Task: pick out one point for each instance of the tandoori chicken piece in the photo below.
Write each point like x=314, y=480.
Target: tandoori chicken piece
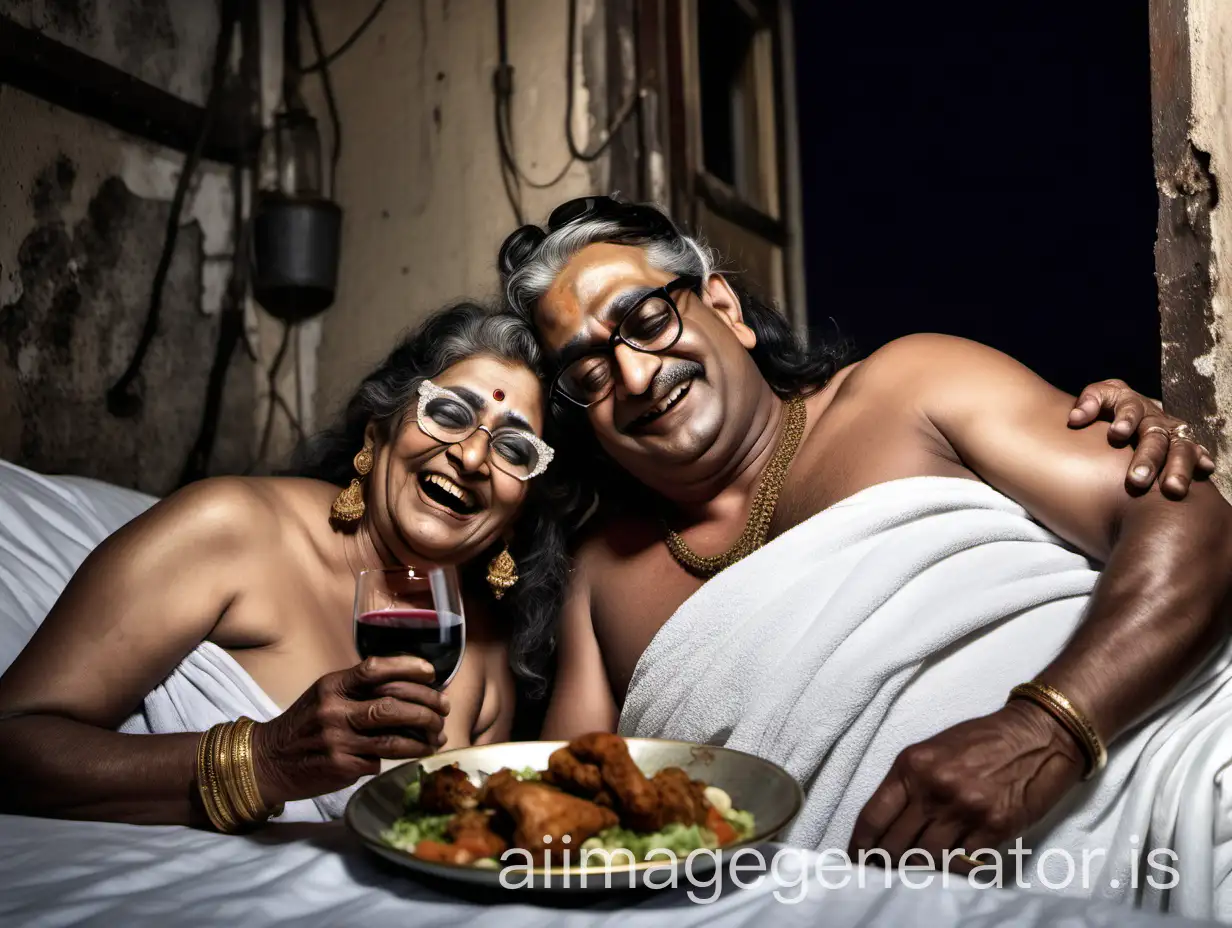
x=681, y=799
x=639, y=800
x=447, y=790
x=573, y=775
x=543, y=815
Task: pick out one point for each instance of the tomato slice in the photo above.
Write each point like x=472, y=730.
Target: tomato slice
x=441, y=852
x=723, y=831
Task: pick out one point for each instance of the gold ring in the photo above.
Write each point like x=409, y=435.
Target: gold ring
x=1167, y=433
x=1181, y=433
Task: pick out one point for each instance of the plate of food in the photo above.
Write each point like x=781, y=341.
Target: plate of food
x=597, y=812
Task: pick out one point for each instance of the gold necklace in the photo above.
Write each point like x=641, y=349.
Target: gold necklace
x=760, y=513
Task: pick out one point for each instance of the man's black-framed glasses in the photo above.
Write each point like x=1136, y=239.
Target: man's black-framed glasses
x=652, y=325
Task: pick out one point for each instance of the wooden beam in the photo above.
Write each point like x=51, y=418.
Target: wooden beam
x=723, y=200
x=622, y=80
x=1183, y=253
x=66, y=77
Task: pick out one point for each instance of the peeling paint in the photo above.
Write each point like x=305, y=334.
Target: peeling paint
x=83, y=212
x=1210, y=24
x=97, y=152
x=73, y=330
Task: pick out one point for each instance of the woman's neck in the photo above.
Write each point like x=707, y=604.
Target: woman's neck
x=363, y=549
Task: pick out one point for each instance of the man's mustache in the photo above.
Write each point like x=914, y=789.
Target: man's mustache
x=664, y=381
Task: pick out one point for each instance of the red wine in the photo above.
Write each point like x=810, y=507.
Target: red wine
x=436, y=637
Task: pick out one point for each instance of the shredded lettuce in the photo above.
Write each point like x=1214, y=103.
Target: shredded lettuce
x=741, y=821
x=679, y=839
x=410, y=798
x=409, y=830
x=414, y=826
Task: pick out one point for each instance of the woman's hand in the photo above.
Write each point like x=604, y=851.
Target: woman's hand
x=1164, y=447
x=345, y=723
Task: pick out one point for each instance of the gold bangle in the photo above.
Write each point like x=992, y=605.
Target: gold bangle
x=229, y=774
x=253, y=806
x=203, y=780
x=222, y=769
x=221, y=774
x=207, y=782
x=1055, y=703
x=241, y=761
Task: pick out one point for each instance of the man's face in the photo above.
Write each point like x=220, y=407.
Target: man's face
x=668, y=413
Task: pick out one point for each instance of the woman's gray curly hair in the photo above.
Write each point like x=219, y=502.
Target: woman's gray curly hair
x=387, y=396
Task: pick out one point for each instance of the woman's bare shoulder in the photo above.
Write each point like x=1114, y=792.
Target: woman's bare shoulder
x=237, y=511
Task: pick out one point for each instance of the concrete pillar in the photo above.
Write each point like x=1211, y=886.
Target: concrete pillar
x=1191, y=91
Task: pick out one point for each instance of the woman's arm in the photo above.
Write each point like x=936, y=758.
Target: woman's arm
x=141, y=601
x=144, y=599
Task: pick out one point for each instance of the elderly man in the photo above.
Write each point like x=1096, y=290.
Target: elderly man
x=905, y=579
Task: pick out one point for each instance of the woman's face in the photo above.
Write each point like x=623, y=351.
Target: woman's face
x=447, y=501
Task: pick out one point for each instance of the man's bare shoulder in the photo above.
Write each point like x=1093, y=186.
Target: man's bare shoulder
x=922, y=360
x=941, y=374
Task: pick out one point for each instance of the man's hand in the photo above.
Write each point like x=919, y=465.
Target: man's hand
x=976, y=785
x=1177, y=460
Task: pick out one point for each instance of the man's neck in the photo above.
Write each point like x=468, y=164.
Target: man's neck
x=726, y=494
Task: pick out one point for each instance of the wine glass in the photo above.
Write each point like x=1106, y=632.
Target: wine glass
x=412, y=610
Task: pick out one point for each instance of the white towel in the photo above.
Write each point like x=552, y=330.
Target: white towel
x=901, y=611
x=209, y=687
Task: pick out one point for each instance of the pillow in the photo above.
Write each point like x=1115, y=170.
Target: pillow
x=47, y=527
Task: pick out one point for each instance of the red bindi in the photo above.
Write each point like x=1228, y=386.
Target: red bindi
x=498, y=395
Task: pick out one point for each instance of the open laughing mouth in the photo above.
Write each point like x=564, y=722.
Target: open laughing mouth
x=447, y=493
x=661, y=408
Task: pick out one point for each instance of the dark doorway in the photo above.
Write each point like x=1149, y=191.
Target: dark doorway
x=985, y=171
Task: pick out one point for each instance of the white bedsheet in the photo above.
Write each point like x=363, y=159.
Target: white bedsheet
x=83, y=873
x=56, y=873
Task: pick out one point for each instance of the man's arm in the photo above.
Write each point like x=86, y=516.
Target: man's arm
x=1157, y=611
x=581, y=697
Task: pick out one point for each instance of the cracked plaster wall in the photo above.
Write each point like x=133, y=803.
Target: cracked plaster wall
x=83, y=210
x=1210, y=36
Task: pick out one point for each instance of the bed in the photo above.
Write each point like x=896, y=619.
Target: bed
x=57, y=873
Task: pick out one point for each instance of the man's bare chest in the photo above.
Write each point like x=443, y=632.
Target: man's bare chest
x=637, y=591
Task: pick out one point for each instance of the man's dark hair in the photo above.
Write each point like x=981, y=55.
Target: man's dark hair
x=532, y=257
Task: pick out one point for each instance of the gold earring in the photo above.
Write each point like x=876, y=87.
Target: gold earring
x=349, y=506
x=502, y=573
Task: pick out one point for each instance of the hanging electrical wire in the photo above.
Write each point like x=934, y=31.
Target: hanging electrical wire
x=327, y=85
x=325, y=61
x=122, y=401
x=622, y=114
x=275, y=399
x=512, y=174
x=267, y=433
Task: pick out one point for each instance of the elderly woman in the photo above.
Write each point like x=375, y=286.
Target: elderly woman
x=250, y=582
